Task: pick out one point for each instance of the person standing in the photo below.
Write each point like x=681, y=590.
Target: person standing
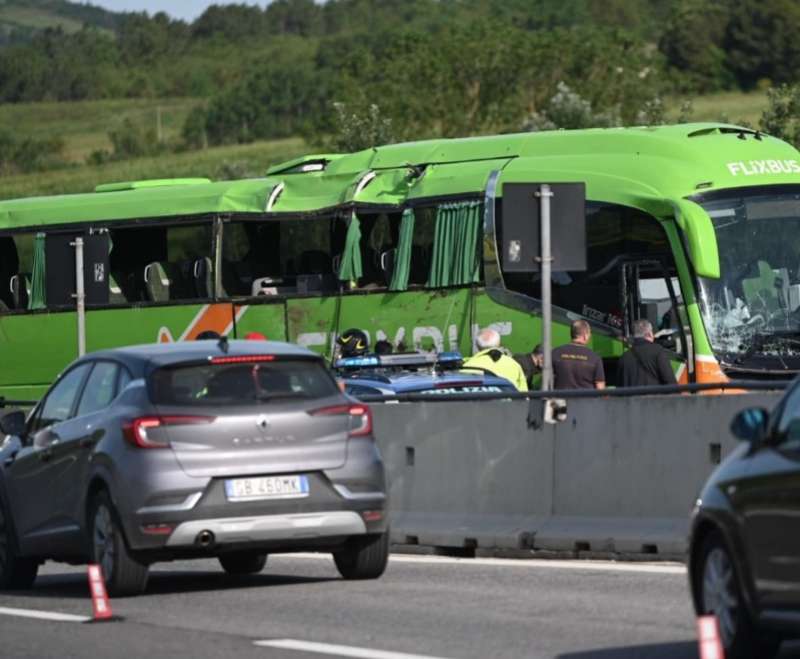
x=646, y=363
x=575, y=366
x=531, y=363
x=493, y=359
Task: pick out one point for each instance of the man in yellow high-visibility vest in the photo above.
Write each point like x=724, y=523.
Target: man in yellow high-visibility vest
x=494, y=359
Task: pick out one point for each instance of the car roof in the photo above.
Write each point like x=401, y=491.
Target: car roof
x=405, y=381
x=156, y=355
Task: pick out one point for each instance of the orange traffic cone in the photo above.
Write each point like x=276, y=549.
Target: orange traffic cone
x=709, y=639
x=100, y=601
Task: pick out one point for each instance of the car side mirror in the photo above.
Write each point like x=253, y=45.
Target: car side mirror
x=750, y=425
x=13, y=423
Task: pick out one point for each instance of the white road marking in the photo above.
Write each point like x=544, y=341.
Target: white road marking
x=530, y=563
x=338, y=650
x=42, y=615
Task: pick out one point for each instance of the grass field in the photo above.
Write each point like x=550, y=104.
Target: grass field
x=36, y=18
x=226, y=162
x=734, y=107
x=84, y=125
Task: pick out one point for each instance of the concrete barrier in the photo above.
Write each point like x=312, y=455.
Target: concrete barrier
x=619, y=475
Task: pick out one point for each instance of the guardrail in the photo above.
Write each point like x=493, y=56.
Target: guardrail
x=619, y=475
x=614, y=392
x=16, y=403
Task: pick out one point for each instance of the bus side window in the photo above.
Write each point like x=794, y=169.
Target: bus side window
x=615, y=235
x=161, y=263
x=16, y=266
x=9, y=267
x=379, y=235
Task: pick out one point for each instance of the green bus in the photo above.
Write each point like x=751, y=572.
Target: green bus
x=692, y=226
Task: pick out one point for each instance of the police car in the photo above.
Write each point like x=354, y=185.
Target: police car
x=418, y=373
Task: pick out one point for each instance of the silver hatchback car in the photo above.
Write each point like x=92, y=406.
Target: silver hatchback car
x=187, y=450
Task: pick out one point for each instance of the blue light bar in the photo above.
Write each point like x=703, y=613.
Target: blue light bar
x=358, y=362
x=400, y=360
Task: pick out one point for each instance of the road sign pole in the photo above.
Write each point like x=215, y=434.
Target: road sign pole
x=80, y=296
x=546, y=260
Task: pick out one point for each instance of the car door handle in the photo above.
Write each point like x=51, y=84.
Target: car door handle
x=45, y=454
x=10, y=460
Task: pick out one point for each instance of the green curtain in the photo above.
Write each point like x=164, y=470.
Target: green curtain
x=455, y=245
x=36, y=300
x=402, y=259
x=350, y=268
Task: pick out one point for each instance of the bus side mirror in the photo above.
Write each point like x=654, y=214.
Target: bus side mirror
x=700, y=235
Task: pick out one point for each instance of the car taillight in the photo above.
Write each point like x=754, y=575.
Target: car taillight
x=243, y=359
x=135, y=430
x=360, y=415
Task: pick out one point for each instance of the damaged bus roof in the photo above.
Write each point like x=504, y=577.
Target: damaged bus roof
x=641, y=167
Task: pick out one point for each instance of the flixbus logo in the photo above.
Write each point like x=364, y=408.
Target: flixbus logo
x=420, y=338
x=758, y=167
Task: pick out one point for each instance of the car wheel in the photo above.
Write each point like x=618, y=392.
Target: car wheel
x=16, y=572
x=721, y=596
x=243, y=562
x=364, y=557
x=123, y=574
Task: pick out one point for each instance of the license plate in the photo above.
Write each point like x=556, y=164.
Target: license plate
x=266, y=487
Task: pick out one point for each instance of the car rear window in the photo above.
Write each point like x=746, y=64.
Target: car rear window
x=240, y=384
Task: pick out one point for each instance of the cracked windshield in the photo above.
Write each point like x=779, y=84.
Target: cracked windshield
x=753, y=309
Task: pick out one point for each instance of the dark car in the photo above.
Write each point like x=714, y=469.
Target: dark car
x=160, y=452
x=744, y=555
x=415, y=373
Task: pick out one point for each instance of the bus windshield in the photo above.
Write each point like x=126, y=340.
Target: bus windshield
x=753, y=309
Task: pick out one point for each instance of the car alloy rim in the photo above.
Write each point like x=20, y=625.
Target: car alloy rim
x=104, y=549
x=719, y=592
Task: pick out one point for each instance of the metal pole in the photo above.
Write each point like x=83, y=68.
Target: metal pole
x=80, y=296
x=546, y=259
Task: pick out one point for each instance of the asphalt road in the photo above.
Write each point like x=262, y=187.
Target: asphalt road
x=423, y=606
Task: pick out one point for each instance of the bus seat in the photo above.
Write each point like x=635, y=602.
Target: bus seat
x=319, y=283
x=387, y=260
x=203, y=277
x=156, y=282
x=20, y=286
x=115, y=294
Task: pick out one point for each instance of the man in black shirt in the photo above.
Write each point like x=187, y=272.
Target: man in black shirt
x=646, y=363
x=574, y=365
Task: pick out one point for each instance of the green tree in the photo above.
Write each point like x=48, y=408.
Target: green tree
x=781, y=118
x=692, y=45
x=568, y=109
x=355, y=130
x=761, y=41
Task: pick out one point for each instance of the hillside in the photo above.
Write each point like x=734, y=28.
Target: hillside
x=84, y=126
x=219, y=163
x=20, y=20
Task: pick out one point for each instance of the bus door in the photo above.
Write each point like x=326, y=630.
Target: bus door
x=650, y=291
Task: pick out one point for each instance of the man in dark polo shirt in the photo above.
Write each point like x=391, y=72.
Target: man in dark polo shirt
x=646, y=363
x=574, y=365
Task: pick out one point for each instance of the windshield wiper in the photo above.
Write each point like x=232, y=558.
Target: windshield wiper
x=760, y=340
